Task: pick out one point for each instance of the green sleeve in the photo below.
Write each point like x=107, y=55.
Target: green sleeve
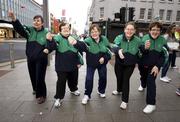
x=117, y=40
x=56, y=38
x=87, y=40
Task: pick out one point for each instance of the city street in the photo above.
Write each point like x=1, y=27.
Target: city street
x=17, y=104
x=120, y=22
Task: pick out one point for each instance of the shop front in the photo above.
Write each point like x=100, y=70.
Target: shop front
x=6, y=31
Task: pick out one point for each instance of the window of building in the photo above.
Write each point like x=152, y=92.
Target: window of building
x=161, y=14
x=178, y=16
x=102, y=12
x=124, y=0
x=142, y=13
x=170, y=1
x=169, y=14
x=149, y=16
x=3, y=13
x=162, y=1
x=101, y=0
x=133, y=0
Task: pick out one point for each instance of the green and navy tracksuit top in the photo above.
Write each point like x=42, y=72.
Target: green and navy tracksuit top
x=36, y=40
x=155, y=55
x=131, y=49
x=94, y=51
x=67, y=56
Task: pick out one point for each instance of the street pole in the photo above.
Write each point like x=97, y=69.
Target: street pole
x=152, y=10
x=126, y=16
x=46, y=20
x=11, y=54
x=46, y=13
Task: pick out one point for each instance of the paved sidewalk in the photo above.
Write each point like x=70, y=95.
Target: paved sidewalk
x=17, y=104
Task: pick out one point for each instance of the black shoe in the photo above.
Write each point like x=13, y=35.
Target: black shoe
x=41, y=100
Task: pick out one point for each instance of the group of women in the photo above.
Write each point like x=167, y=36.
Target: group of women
x=128, y=49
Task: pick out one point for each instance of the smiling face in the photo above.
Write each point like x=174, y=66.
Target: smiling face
x=95, y=33
x=155, y=29
x=129, y=31
x=38, y=23
x=65, y=30
x=155, y=32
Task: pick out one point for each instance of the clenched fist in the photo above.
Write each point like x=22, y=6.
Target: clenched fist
x=101, y=60
x=147, y=44
x=71, y=40
x=11, y=15
x=49, y=36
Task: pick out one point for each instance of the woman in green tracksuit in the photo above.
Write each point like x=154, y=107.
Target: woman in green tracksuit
x=152, y=60
x=36, y=57
x=126, y=51
x=97, y=56
x=66, y=62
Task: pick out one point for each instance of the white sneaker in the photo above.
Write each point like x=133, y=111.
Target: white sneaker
x=140, y=88
x=168, y=78
x=101, y=95
x=149, y=109
x=76, y=93
x=174, y=67
x=115, y=92
x=123, y=105
x=57, y=103
x=85, y=99
x=164, y=79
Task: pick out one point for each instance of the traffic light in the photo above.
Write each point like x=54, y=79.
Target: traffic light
x=117, y=15
x=131, y=13
x=122, y=14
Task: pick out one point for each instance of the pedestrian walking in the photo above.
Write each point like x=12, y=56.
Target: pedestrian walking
x=177, y=36
x=170, y=38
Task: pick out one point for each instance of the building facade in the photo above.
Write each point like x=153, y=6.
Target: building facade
x=167, y=11
x=24, y=10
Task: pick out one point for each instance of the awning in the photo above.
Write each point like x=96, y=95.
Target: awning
x=5, y=25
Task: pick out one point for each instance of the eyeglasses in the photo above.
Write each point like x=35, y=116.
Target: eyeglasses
x=157, y=30
x=65, y=28
x=129, y=29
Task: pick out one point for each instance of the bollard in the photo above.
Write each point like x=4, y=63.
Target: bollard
x=11, y=54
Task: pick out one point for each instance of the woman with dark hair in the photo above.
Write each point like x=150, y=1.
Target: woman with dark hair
x=151, y=61
x=169, y=36
x=66, y=62
x=127, y=47
x=35, y=51
x=97, y=56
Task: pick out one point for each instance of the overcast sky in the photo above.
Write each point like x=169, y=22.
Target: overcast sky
x=76, y=9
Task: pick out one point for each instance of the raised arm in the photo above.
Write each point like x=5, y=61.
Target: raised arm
x=17, y=25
